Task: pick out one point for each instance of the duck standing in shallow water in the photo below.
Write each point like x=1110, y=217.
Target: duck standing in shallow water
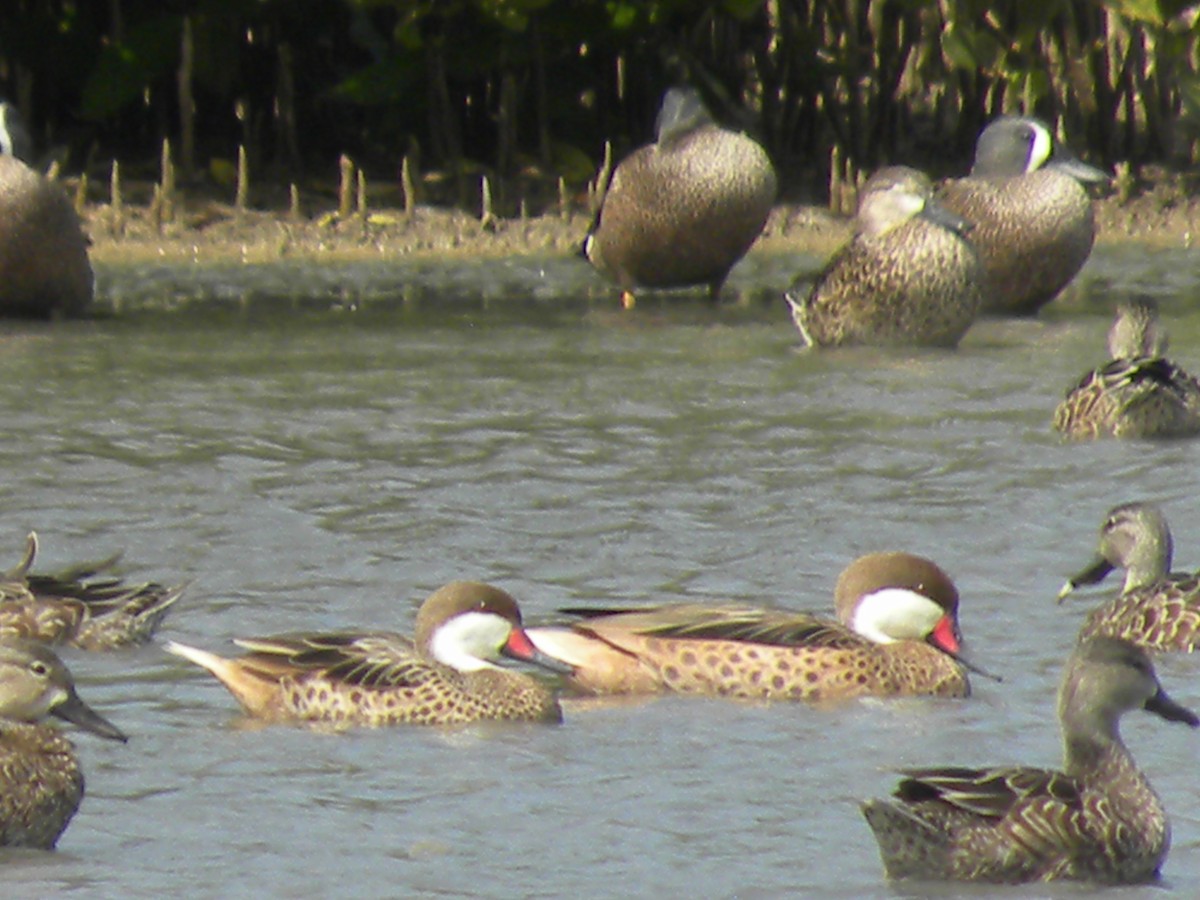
x=908, y=277
x=897, y=634
x=41, y=784
x=1156, y=609
x=1096, y=820
x=446, y=676
x=1032, y=217
x=683, y=210
x=44, y=266
x=1139, y=393
x=83, y=606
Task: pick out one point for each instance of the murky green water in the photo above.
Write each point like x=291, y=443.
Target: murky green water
x=321, y=447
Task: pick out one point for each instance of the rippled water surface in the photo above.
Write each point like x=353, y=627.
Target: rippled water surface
x=315, y=447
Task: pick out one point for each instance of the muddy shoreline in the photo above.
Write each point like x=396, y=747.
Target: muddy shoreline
x=204, y=231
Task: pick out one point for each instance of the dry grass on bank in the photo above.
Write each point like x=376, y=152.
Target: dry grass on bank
x=199, y=227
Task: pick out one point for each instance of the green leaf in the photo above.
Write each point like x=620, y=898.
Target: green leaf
x=381, y=82
x=742, y=9
x=1189, y=93
x=958, y=50
x=969, y=48
x=1147, y=11
x=624, y=15
x=124, y=70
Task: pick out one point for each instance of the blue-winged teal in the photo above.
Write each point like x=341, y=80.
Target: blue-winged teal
x=41, y=784
x=82, y=606
x=1096, y=820
x=1156, y=608
x=445, y=676
x=1139, y=393
x=44, y=267
x=684, y=210
x=1033, y=218
x=897, y=634
x=908, y=276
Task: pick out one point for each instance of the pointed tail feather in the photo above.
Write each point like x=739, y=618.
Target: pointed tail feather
x=21, y=569
x=600, y=668
x=258, y=695
x=133, y=621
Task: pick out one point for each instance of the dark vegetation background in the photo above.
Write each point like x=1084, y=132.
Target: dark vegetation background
x=530, y=90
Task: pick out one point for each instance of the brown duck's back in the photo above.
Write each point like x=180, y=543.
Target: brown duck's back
x=1033, y=234
x=44, y=266
x=777, y=656
x=917, y=284
x=683, y=213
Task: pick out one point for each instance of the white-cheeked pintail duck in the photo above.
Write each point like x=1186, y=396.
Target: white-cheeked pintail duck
x=446, y=675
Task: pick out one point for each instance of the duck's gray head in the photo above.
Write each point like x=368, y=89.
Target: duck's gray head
x=1137, y=331
x=1017, y=145
x=1134, y=537
x=895, y=194
x=1105, y=678
x=912, y=180
x=682, y=111
x=14, y=136
x=34, y=684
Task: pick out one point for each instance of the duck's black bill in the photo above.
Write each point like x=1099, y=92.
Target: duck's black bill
x=79, y=713
x=971, y=667
x=1162, y=705
x=1097, y=570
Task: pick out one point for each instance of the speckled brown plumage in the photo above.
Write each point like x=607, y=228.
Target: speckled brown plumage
x=836, y=665
x=82, y=606
x=906, y=278
x=1138, y=393
x=44, y=267
x=1156, y=609
x=1161, y=616
x=684, y=210
x=41, y=783
x=381, y=678
x=1033, y=235
x=1097, y=820
x=41, y=765
x=766, y=654
x=1034, y=225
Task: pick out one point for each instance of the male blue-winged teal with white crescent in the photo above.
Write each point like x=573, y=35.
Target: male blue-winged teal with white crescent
x=896, y=634
x=908, y=277
x=446, y=675
x=683, y=210
x=1032, y=217
x=1097, y=819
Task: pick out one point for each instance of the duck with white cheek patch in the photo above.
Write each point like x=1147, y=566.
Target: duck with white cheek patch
x=896, y=634
x=446, y=675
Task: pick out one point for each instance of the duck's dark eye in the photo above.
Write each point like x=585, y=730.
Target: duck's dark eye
x=39, y=668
